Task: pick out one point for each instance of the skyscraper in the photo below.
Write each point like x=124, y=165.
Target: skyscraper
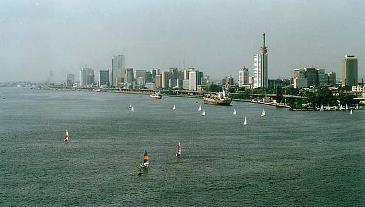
x=118, y=70
x=349, y=71
x=165, y=79
x=70, y=80
x=243, y=77
x=87, y=77
x=260, y=67
x=104, y=77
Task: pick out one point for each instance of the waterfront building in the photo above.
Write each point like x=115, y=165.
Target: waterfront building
x=331, y=78
x=349, y=71
x=140, y=77
x=195, y=78
x=129, y=77
x=87, y=77
x=148, y=76
x=185, y=84
x=312, y=77
x=104, y=78
x=155, y=71
x=186, y=74
x=322, y=77
x=260, y=67
x=158, y=81
x=243, y=77
x=165, y=79
x=70, y=80
x=118, y=70
x=299, y=79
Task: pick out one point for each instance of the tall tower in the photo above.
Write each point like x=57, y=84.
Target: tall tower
x=349, y=71
x=260, y=66
x=118, y=70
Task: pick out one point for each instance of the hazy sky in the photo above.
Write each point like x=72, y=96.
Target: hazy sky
x=216, y=36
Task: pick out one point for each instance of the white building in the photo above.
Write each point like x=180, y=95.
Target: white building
x=260, y=67
x=118, y=70
x=243, y=77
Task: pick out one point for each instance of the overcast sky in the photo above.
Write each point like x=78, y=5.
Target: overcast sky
x=216, y=36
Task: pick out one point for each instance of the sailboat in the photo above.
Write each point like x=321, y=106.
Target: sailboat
x=178, y=150
x=351, y=111
x=347, y=108
x=263, y=113
x=174, y=108
x=245, y=122
x=200, y=108
x=132, y=109
x=322, y=108
x=66, y=136
x=234, y=112
x=130, y=106
x=146, y=160
x=203, y=113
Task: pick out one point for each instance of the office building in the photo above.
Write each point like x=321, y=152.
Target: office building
x=87, y=77
x=299, y=79
x=104, y=77
x=118, y=70
x=331, y=78
x=243, y=77
x=349, y=71
x=158, y=81
x=165, y=79
x=312, y=77
x=70, y=80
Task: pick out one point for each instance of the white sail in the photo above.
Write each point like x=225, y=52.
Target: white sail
x=351, y=111
x=234, y=112
x=200, y=108
x=66, y=136
x=174, y=108
x=322, y=108
x=245, y=121
x=178, y=150
x=347, y=108
x=132, y=109
x=203, y=113
x=263, y=113
x=130, y=105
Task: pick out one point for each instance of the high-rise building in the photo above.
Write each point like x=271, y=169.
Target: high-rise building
x=260, y=67
x=228, y=81
x=322, y=77
x=299, y=79
x=349, y=71
x=158, y=81
x=118, y=70
x=104, y=77
x=196, y=79
x=70, y=80
x=165, y=79
x=155, y=72
x=140, y=76
x=243, y=77
x=149, y=76
x=129, y=76
x=87, y=77
x=312, y=77
x=331, y=78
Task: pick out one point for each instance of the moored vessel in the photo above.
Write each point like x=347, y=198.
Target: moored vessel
x=221, y=98
x=156, y=95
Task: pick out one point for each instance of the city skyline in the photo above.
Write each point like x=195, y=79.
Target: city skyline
x=216, y=37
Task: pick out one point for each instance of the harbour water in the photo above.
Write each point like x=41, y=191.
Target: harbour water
x=284, y=159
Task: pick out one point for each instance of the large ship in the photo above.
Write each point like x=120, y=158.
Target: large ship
x=221, y=98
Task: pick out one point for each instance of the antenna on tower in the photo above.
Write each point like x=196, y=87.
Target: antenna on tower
x=263, y=37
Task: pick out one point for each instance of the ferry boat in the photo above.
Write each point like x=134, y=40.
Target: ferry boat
x=156, y=95
x=146, y=161
x=221, y=98
x=65, y=138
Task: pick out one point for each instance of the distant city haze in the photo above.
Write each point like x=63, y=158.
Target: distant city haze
x=42, y=40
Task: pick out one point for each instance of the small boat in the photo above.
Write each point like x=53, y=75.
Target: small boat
x=347, y=108
x=322, y=108
x=146, y=161
x=351, y=111
x=156, y=95
x=178, y=150
x=357, y=106
x=200, y=108
x=263, y=113
x=174, y=108
x=66, y=136
x=132, y=109
x=245, y=122
x=234, y=112
x=203, y=113
x=130, y=106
